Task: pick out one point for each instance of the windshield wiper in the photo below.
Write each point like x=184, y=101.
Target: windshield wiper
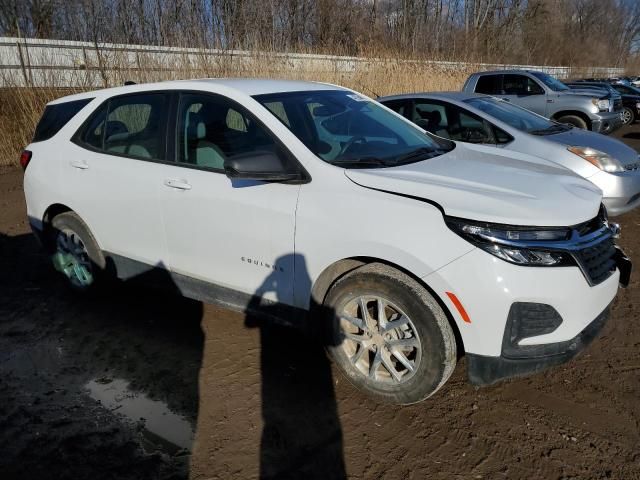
x=421, y=153
x=550, y=130
x=361, y=162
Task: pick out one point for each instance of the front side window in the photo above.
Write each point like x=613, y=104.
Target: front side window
x=450, y=121
x=551, y=82
x=516, y=117
x=520, y=85
x=212, y=129
x=346, y=129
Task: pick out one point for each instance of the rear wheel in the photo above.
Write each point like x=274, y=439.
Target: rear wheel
x=389, y=336
x=628, y=116
x=574, y=120
x=75, y=253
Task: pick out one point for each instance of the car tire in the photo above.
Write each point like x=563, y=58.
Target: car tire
x=75, y=253
x=628, y=116
x=574, y=120
x=402, y=356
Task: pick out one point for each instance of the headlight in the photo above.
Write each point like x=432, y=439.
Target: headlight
x=602, y=160
x=503, y=242
x=601, y=103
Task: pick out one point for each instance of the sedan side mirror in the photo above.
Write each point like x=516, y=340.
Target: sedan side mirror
x=261, y=165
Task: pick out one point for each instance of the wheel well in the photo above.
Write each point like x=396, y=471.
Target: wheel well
x=340, y=268
x=575, y=113
x=52, y=212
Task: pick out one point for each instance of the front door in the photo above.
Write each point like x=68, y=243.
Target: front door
x=525, y=92
x=237, y=235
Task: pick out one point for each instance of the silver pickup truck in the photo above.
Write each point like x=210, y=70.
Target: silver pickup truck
x=548, y=96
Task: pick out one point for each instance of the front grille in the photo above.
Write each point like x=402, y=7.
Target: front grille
x=597, y=261
x=617, y=104
x=632, y=167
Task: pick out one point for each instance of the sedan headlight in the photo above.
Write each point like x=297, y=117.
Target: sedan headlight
x=519, y=245
x=603, y=104
x=602, y=160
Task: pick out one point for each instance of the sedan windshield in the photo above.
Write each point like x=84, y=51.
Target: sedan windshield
x=517, y=117
x=551, y=82
x=351, y=131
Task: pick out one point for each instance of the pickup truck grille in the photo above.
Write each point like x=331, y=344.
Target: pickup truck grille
x=617, y=104
x=597, y=261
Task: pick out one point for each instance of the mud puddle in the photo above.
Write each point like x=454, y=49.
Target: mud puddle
x=161, y=428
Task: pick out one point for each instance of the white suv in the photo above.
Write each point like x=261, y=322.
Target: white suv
x=295, y=197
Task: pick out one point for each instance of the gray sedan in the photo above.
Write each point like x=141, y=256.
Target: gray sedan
x=474, y=118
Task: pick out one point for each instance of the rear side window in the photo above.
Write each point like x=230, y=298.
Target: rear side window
x=132, y=126
x=57, y=116
x=398, y=106
x=489, y=85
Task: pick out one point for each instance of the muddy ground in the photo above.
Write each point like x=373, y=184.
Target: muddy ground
x=138, y=384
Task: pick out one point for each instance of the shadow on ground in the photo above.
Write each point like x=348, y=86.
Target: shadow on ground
x=108, y=386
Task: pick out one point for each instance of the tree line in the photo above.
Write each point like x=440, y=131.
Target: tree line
x=550, y=32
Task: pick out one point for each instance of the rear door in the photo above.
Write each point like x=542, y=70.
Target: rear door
x=113, y=172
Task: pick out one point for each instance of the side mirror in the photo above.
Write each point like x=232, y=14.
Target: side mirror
x=265, y=166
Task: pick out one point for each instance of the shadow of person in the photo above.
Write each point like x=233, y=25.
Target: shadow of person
x=301, y=436
x=123, y=349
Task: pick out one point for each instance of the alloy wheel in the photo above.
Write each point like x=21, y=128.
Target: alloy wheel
x=380, y=340
x=71, y=258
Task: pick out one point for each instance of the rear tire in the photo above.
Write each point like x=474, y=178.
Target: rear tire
x=628, y=116
x=388, y=335
x=574, y=120
x=75, y=253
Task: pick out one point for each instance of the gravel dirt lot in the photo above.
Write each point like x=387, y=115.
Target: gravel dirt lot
x=138, y=384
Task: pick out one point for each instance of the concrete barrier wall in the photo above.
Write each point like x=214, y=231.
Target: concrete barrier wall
x=58, y=63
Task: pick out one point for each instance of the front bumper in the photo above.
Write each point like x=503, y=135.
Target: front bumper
x=521, y=320
x=483, y=370
x=620, y=191
x=606, y=122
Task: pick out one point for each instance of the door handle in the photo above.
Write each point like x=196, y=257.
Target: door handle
x=549, y=100
x=178, y=184
x=80, y=164
x=506, y=99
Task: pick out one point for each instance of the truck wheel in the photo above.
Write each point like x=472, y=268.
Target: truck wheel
x=75, y=253
x=628, y=116
x=388, y=335
x=573, y=120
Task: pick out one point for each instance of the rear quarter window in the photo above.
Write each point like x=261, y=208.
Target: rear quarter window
x=57, y=116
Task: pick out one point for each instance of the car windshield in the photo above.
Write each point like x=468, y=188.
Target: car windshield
x=349, y=130
x=551, y=82
x=516, y=117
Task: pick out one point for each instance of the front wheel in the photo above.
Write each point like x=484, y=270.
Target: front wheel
x=573, y=120
x=389, y=336
x=628, y=116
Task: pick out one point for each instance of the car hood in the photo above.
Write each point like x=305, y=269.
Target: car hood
x=486, y=184
x=583, y=138
x=585, y=92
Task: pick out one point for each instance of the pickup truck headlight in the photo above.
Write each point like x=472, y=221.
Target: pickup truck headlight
x=602, y=160
x=603, y=104
x=522, y=246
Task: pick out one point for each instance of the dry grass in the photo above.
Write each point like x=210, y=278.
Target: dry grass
x=21, y=108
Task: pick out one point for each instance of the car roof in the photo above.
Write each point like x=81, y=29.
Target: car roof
x=494, y=72
x=456, y=96
x=239, y=86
